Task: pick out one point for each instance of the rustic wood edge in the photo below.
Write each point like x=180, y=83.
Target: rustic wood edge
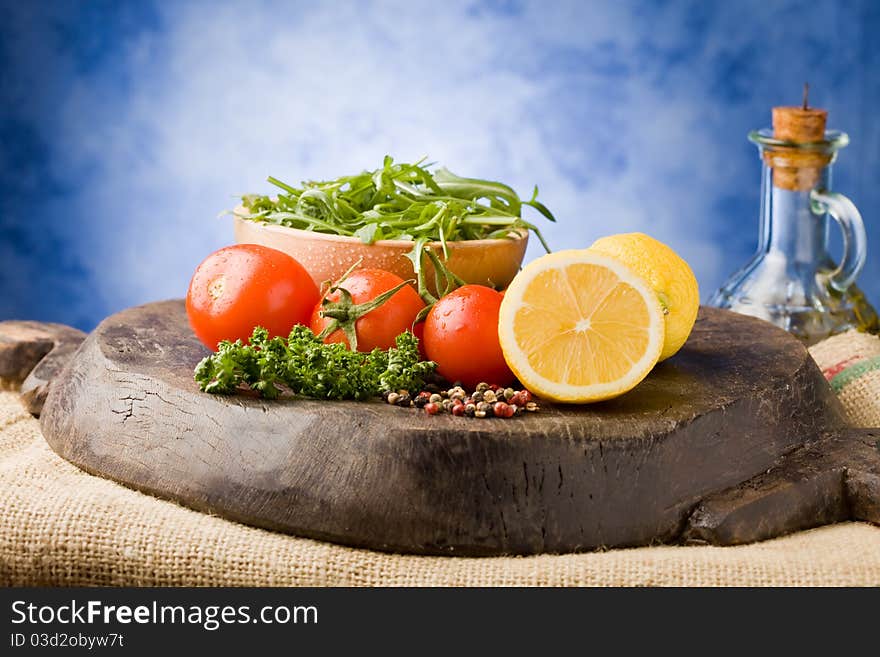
x=832, y=479
x=32, y=354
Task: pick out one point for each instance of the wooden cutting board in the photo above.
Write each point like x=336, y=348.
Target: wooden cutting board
x=736, y=438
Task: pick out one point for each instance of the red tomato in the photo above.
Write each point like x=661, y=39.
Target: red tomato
x=461, y=336
x=245, y=285
x=379, y=327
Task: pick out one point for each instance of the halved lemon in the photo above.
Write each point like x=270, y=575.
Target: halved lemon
x=577, y=326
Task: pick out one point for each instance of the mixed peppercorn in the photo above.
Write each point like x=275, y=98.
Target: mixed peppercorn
x=486, y=401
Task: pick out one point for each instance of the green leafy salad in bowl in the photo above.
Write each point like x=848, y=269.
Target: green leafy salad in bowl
x=433, y=226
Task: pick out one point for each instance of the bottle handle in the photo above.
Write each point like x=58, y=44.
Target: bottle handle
x=855, y=242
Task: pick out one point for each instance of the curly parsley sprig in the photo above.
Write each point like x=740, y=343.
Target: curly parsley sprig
x=306, y=366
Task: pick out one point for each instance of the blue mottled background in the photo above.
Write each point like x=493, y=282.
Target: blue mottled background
x=126, y=127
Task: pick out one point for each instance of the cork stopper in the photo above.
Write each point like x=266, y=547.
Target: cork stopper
x=802, y=124
x=793, y=169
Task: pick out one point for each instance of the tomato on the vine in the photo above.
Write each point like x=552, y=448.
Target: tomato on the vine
x=376, y=327
x=245, y=285
x=419, y=331
x=461, y=336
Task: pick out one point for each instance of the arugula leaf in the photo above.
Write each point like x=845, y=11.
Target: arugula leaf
x=369, y=233
x=399, y=201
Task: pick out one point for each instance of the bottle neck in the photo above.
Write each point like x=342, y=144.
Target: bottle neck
x=788, y=226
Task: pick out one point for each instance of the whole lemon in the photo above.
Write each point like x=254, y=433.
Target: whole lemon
x=667, y=273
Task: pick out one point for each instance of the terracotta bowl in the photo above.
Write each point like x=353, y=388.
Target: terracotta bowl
x=328, y=257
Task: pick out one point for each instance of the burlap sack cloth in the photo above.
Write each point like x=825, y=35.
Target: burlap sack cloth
x=60, y=526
